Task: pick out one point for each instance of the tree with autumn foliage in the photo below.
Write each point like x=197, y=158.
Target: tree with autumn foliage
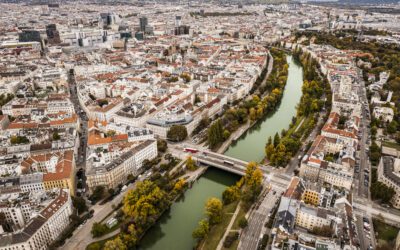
x=214, y=210
x=252, y=183
x=115, y=244
x=144, y=204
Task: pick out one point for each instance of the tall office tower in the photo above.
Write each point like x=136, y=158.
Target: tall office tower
x=143, y=23
x=178, y=21
x=29, y=36
x=53, y=36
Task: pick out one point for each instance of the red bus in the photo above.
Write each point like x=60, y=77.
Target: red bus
x=190, y=150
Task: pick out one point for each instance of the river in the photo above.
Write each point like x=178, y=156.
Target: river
x=174, y=229
x=250, y=146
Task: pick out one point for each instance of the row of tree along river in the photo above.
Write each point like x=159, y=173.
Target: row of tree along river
x=175, y=227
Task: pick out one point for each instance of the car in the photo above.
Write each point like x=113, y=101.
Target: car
x=274, y=192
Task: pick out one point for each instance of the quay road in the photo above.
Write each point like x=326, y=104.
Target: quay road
x=252, y=234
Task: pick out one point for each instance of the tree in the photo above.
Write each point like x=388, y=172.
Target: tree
x=111, y=191
x=162, y=145
x=144, y=204
x=202, y=229
x=230, y=194
x=190, y=164
x=19, y=139
x=230, y=238
x=94, y=246
x=375, y=153
x=214, y=210
x=392, y=127
x=379, y=191
x=252, y=183
x=269, y=150
x=215, y=134
x=98, y=229
x=226, y=134
x=243, y=222
x=130, y=238
x=177, y=133
x=115, y=244
x=179, y=185
x=277, y=139
x=79, y=204
x=325, y=231
x=56, y=136
x=98, y=193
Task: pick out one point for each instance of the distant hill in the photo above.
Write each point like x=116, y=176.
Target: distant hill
x=368, y=1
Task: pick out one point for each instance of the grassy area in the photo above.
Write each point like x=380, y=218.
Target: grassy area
x=294, y=127
x=99, y=244
x=385, y=234
x=218, y=231
x=391, y=145
x=240, y=215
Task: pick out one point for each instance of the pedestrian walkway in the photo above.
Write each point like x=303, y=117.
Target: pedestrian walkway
x=228, y=229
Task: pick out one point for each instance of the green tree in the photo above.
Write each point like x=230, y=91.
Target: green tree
x=277, y=139
x=379, y=191
x=202, y=230
x=79, y=204
x=98, y=193
x=230, y=194
x=19, y=139
x=392, y=127
x=226, y=134
x=243, y=222
x=162, y=145
x=98, y=229
x=56, y=136
x=94, y=246
x=177, y=133
x=215, y=134
x=214, y=210
x=375, y=153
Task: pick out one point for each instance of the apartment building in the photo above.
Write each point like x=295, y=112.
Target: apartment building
x=310, y=217
x=44, y=228
x=389, y=174
x=114, y=171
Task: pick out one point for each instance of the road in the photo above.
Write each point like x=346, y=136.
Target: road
x=390, y=215
x=365, y=235
x=362, y=179
x=82, y=236
x=252, y=234
x=81, y=159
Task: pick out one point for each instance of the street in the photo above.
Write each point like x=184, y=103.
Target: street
x=252, y=234
x=82, y=236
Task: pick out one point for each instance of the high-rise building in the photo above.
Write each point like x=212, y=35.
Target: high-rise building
x=181, y=30
x=178, y=21
x=30, y=36
x=143, y=22
x=53, y=36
